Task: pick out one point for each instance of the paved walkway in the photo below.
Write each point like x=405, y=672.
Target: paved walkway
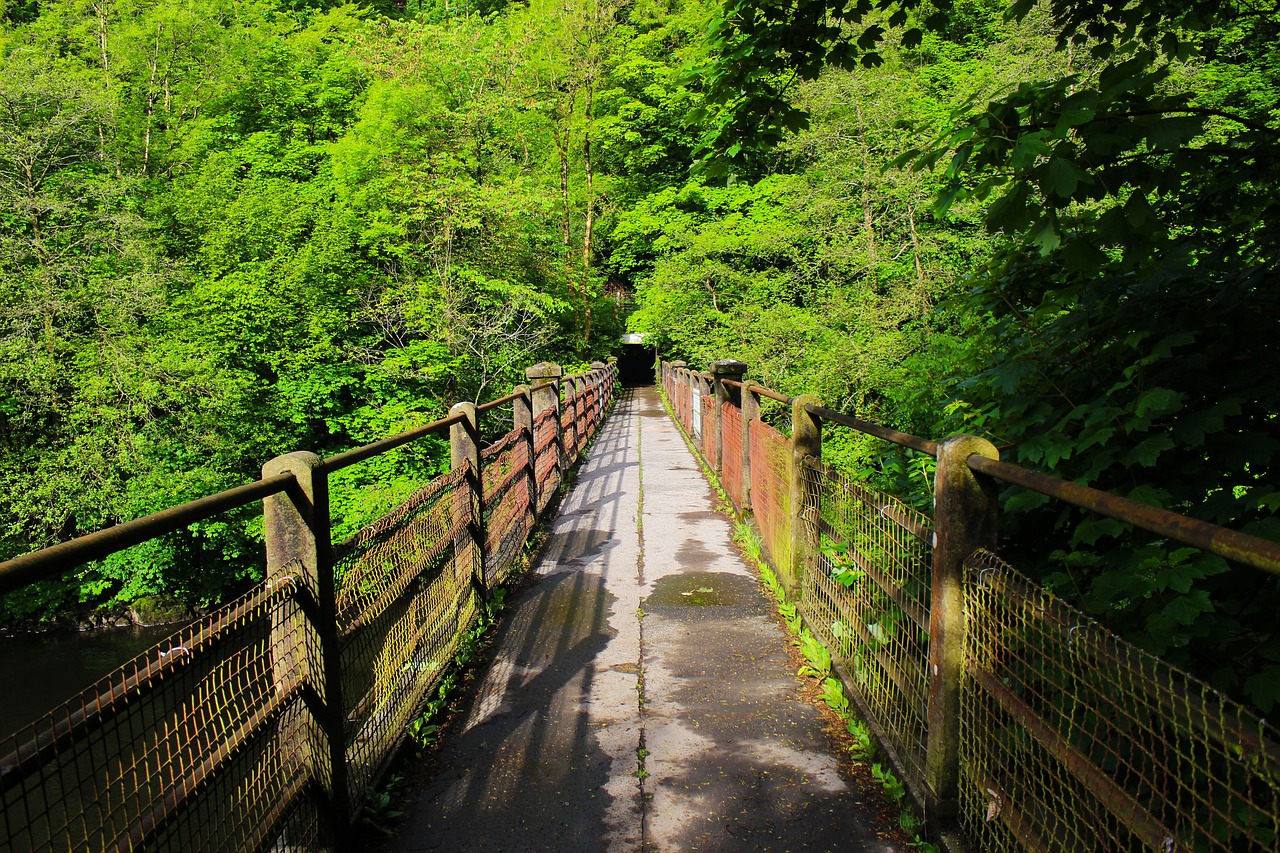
x=641, y=696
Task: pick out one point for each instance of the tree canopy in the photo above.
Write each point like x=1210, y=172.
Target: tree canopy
x=232, y=230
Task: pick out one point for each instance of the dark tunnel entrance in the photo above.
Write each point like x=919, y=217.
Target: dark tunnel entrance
x=636, y=363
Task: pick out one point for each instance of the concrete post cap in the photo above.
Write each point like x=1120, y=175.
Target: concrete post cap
x=728, y=367
x=544, y=370
x=679, y=364
x=598, y=365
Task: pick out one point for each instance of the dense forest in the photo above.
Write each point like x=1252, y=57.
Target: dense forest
x=241, y=227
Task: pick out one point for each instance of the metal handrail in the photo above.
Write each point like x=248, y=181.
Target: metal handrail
x=501, y=401
x=772, y=395
x=1239, y=547
x=53, y=561
x=359, y=454
x=903, y=439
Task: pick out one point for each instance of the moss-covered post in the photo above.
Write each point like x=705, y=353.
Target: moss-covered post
x=806, y=442
x=722, y=370
x=299, y=551
x=965, y=519
x=544, y=378
x=464, y=453
x=750, y=412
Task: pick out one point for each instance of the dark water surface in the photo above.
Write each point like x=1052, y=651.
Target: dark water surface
x=38, y=672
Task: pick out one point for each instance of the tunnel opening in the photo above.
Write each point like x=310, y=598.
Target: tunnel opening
x=636, y=362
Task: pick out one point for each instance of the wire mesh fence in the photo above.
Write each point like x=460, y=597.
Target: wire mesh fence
x=771, y=493
x=708, y=419
x=866, y=596
x=569, y=427
x=546, y=454
x=196, y=744
x=408, y=591
x=585, y=419
x=218, y=738
x=731, y=452
x=508, y=510
x=1073, y=739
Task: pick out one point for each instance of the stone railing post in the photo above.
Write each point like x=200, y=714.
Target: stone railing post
x=806, y=441
x=965, y=519
x=464, y=451
x=544, y=378
x=750, y=412
x=296, y=528
x=522, y=416
x=681, y=384
x=722, y=370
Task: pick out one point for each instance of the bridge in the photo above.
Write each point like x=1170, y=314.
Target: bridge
x=640, y=695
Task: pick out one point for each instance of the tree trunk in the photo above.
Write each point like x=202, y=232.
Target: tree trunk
x=151, y=104
x=868, y=221
x=589, y=225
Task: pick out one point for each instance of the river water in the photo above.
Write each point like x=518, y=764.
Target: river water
x=41, y=671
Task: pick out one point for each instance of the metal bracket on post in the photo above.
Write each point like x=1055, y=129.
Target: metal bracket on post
x=750, y=412
x=965, y=519
x=296, y=528
x=464, y=450
x=806, y=441
x=721, y=370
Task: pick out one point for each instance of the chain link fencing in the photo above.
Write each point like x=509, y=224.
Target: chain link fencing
x=708, y=429
x=546, y=454
x=408, y=591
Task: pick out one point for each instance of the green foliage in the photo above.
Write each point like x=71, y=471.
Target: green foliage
x=379, y=811
x=817, y=656
x=235, y=231
x=1089, y=194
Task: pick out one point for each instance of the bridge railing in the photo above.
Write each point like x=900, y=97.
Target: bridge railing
x=1017, y=722
x=261, y=726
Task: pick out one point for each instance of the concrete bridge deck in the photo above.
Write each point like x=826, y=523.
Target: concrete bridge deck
x=641, y=696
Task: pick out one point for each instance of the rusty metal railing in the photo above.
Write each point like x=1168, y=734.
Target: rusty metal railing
x=1009, y=715
x=261, y=725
